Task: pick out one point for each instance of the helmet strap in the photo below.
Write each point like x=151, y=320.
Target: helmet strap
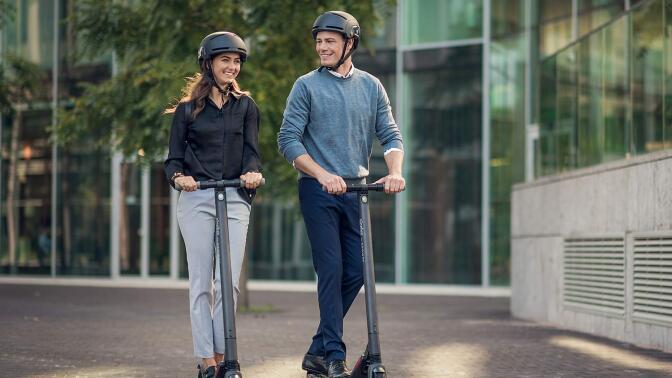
x=210, y=77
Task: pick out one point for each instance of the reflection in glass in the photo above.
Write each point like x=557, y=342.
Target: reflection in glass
x=555, y=25
x=278, y=246
x=667, y=122
x=441, y=20
x=84, y=192
x=595, y=13
x=602, y=105
x=159, y=233
x=83, y=212
x=444, y=144
x=26, y=201
x=547, y=156
x=129, y=218
x=382, y=65
x=507, y=127
x=607, y=97
x=508, y=18
x=648, y=77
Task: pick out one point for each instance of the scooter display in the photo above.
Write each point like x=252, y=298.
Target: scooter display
x=229, y=367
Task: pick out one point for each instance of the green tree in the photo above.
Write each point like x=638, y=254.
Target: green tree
x=155, y=44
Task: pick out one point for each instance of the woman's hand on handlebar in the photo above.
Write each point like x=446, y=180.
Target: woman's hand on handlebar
x=187, y=183
x=252, y=180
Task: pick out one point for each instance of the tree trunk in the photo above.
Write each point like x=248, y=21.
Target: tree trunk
x=12, y=226
x=124, y=251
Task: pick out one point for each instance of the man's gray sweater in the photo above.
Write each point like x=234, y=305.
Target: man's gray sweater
x=334, y=120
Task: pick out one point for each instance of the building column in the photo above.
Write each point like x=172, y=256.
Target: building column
x=145, y=208
x=54, y=147
x=485, y=174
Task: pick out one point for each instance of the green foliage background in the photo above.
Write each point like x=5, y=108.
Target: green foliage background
x=156, y=41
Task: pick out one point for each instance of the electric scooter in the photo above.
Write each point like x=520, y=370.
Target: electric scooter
x=370, y=364
x=229, y=366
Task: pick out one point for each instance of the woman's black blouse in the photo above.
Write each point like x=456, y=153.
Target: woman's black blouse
x=219, y=144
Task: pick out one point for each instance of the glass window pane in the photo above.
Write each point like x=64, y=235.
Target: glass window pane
x=83, y=212
x=443, y=102
x=547, y=161
x=667, y=123
x=508, y=17
x=648, y=77
x=507, y=126
x=507, y=147
x=555, y=25
x=32, y=36
x=84, y=176
x=441, y=20
x=160, y=215
x=383, y=66
x=595, y=13
x=565, y=122
x=129, y=218
x=26, y=201
x=602, y=101
x=558, y=112
x=385, y=35
x=277, y=243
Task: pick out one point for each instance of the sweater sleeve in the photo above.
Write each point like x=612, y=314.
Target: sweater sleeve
x=177, y=144
x=294, y=121
x=387, y=130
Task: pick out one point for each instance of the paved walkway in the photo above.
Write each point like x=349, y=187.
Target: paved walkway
x=57, y=331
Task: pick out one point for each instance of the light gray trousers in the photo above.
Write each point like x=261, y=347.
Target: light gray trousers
x=196, y=218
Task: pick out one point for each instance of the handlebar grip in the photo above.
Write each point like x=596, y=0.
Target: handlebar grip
x=365, y=187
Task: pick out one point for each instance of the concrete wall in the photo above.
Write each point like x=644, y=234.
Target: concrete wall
x=618, y=198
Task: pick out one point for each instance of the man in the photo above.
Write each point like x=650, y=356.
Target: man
x=330, y=119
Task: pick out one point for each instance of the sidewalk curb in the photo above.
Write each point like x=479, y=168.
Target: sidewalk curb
x=257, y=285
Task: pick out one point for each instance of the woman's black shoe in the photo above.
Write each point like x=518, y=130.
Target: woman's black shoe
x=337, y=369
x=206, y=373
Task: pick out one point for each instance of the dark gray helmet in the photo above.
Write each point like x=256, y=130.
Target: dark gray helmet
x=340, y=22
x=221, y=42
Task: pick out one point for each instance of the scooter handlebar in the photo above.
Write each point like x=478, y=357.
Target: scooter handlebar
x=235, y=183
x=365, y=188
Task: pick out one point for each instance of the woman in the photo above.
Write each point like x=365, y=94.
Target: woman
x=214, y=136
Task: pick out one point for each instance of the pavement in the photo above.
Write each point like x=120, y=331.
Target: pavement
x=78, y=331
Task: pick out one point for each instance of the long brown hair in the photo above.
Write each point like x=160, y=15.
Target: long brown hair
x=197, y=89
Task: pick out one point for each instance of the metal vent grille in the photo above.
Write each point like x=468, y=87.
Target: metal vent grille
x=594, y=274
x=652, y=277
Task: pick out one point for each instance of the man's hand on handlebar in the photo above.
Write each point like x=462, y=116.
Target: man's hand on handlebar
x=332, y=184
x=394, y=183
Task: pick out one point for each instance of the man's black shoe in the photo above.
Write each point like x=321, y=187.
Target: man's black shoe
x=314, y=364
x=337, y=369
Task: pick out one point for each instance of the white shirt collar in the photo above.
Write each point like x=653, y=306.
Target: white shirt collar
x=352, y=70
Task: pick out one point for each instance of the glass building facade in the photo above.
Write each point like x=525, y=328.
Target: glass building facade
x=487, y=93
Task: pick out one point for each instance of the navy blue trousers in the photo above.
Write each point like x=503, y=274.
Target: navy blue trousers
x=332, y=223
